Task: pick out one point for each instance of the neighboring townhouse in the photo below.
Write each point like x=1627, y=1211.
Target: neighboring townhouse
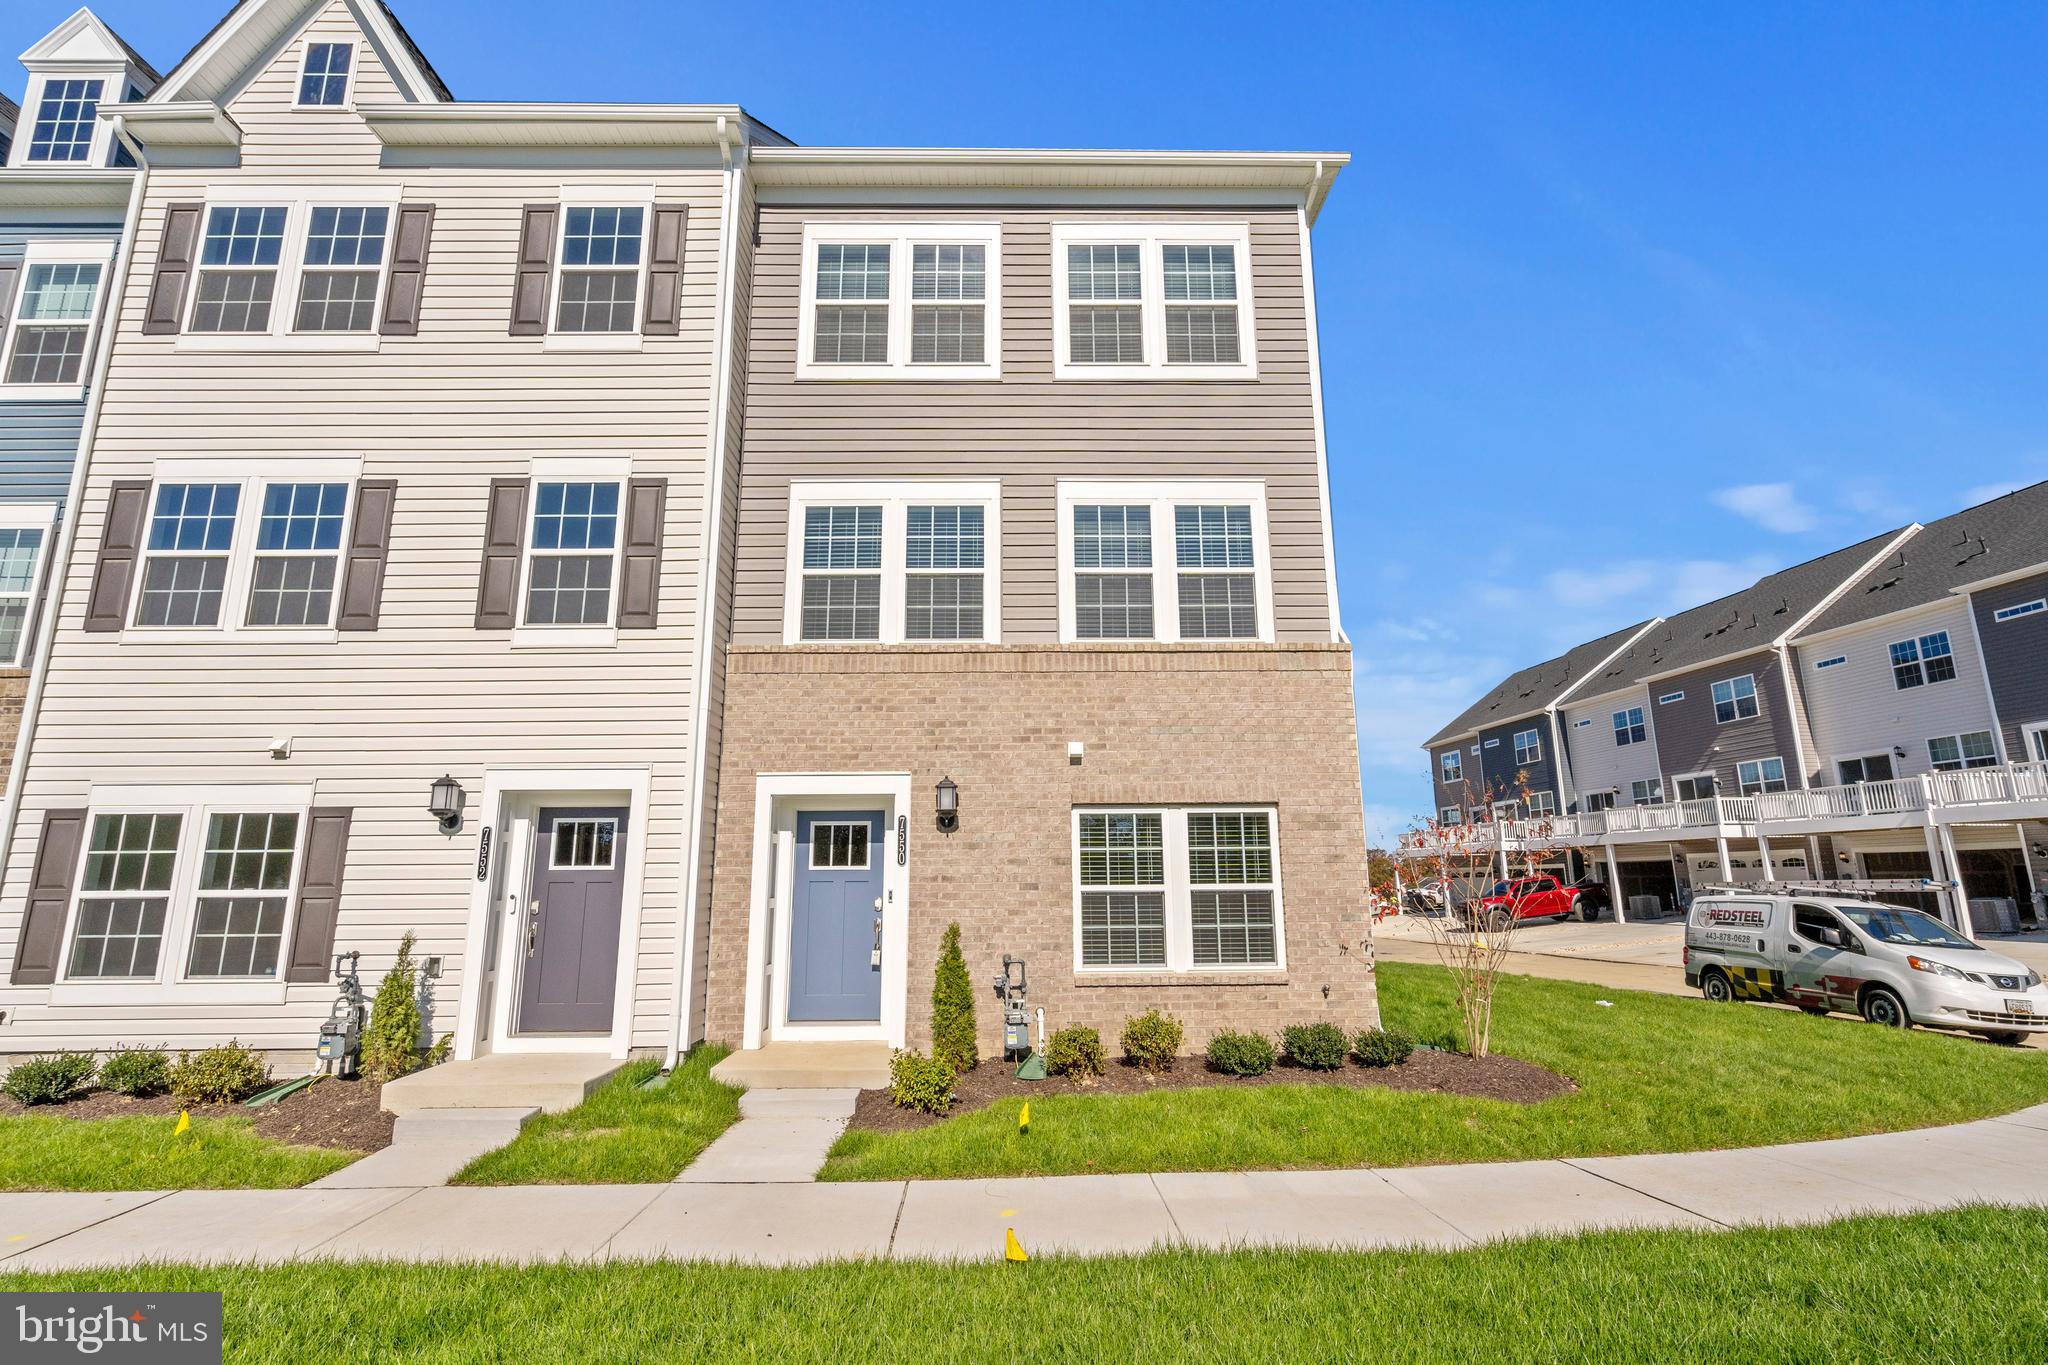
x=65, y=192
x=676, y=574
x=1876, y=713
x=1034, y=622
x=386, y=612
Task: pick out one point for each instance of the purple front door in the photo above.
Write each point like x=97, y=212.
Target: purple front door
x=570, y=977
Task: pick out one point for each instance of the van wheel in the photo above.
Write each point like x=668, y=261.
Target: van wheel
x=1714, y=985
x=1881, y=1005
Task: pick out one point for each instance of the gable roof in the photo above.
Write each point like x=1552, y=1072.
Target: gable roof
x=76, y=22
x=249, y=28
x=1992, y=539
x=1528, y=692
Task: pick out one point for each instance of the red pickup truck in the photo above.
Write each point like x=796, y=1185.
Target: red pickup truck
x=1542, y=897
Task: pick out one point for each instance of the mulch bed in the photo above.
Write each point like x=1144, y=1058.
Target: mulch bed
x=328, y=1113
x=1427, y=1070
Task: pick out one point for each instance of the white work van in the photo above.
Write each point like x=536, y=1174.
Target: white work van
x=1828, y=951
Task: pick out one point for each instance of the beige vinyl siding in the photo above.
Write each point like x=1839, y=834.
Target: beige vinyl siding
x=1598, y=763
x=1857, y=709
x=278, y=136
x=1028, y=429
x=376, y=717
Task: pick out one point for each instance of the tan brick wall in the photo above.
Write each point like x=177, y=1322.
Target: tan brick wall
x=13, y=693
x=1164, y=726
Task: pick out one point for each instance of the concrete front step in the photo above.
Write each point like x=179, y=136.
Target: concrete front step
x=807, y=1066
x=548, y=1081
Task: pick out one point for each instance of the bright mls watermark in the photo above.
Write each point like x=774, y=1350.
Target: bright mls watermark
x=172, y=1329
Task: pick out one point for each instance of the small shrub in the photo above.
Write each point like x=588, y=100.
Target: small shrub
x=1383, y=1047
x=953, y=1008
x=1319, y=1047
x=136, y=1071
x=391, y=1044
x=1074, y=1052
x=49, y=1080
x=1152, y=1040
x=219, y=1075
x=1241, y=1054
x=918, y=1082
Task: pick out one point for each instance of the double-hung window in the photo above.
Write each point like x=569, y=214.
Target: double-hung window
x=572, y=553
x=1922, y=660
x=24, y=542
x=890, y=563
x=48, y=339
x=1450, y=767
x=1647, y=791
x=298, y=554
x=1542, y=805
x=1528, y=747
x=282, y=266
x=62, y=129
x=1972, y=750
x=1735, y=698
x=1451, y=817
x=1629, y=727
x=186, y=556
x=603, y=255
x=901, y=301
x=186, y=887
x=324, y=75
x=1120, y=582
x=1177, y=889
x=1760, y=775
x=1153, y=301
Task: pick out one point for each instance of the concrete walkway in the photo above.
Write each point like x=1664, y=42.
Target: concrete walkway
x=781, y=1138
x=2002, y=1160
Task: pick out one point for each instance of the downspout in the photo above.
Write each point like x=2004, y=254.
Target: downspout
x=60, y=557
x=731, y=135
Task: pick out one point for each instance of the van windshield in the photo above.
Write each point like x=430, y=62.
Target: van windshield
x=1912, y=928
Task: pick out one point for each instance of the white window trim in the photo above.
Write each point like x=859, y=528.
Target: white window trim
x=1180, y=927
x=1707, y=773
x=348, y=93
x=253, y=475
x=2029, y=740
x=1546, y=808
x=1450, y=816
x=642, y=197
x=868, y=862
x=1506, y=810
x=1963, y=762
x=1163, y=497
x=55, y=253
x=298, y=203
x=1670, y=697
x=900, y=238
x=1920, y=660
x=1533, y=752
x=1450, y=767
x=1864, y=758
x=1656, y=791
x=1150, y=239
x=115, y=90
x=1741, y=782
x=555, y=865
x=570, y=469
x=896, y=498
x=37, y=516
x=172, y=984
x=1623, y=726
x=2019, y=611
x=1756, y=698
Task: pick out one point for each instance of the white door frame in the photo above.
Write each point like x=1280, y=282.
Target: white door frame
x=777, y=798
x=491, y=961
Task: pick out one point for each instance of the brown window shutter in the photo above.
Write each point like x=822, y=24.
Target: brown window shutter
x=408, y=282
x=536, y=264
x=8, y=275
x=369, y=545
x=49, y=898
x=174, y=260
x=497, y=593
x=319, y=893
x=113, y=578
x=640, y=563
x=664, y=317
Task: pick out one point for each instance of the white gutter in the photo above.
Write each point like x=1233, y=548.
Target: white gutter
x=60, y=556
x=731, y=134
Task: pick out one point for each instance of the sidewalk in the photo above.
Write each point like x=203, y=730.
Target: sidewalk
x=2002, y=1160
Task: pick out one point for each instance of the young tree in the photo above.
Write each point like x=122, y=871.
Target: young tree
x=953, y=1008
x=391, y=1043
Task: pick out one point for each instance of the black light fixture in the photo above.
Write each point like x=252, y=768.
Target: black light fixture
x=445, y=804
x=949, y=806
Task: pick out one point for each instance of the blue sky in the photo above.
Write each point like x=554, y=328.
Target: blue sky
x=1621, y=305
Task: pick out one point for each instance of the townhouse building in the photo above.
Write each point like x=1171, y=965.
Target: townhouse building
x=1875, y=713
x=675, y=574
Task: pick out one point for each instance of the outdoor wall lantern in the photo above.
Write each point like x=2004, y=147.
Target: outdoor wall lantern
x=949, y=806
x=445, y=804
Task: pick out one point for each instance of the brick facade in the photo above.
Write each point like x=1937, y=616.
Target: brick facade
x=13, y=693
x=1161, y=726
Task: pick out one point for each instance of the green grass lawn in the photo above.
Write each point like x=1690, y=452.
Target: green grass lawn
x=621, y=1134
x=40, y=1152
x=1937, y=1287
x=1655, y=1073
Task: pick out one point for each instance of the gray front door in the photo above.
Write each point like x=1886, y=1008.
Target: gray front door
x=835, y=971
x=570, y=975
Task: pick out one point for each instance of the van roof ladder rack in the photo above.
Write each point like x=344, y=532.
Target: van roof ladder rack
x=1861, y=889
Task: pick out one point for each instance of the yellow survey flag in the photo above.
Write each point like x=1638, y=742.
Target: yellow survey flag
x=184, y=1122
x=1024, y=1118
x=1013, y=1250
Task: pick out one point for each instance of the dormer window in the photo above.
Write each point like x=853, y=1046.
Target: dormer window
x=324, y=79
x=62, y=130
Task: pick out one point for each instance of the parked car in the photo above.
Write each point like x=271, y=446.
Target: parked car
x=1542, y=897
x=1892, y=965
